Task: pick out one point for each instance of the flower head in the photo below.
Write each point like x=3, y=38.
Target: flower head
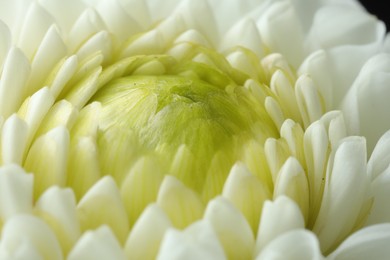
x=192, y=129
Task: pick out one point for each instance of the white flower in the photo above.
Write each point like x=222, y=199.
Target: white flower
x=193, y=130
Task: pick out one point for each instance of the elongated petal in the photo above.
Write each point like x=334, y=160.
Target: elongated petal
x=371, y=242
x=198, y=241
x=99, y=244
x=345, y=192
x=36, y=236
x=104, y=194
x=293, y=245
x=231, y=227
x=16, y=190
x=278, y=217
x=147, y=233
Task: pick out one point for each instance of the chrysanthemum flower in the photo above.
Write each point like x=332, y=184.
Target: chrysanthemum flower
x=193, y=130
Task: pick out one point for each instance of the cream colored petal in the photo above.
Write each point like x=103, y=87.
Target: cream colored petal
x=138, y=10
x=58, y=208
x=50, y=51
x=140, y=187
x=33, y=232
x=246, y=193
x=380, y=157
x=367, y=100
x=278, y=217
x=99, y=244
x=368, y=243
x=116, y=18
x=292, y=182
x=65, y=12
x=63, y=75
x=198, y=15
x=293, y=245
x=13, y=140
x=36, y=23
x=345, y=194
x=86, y=25
x=287, y=40
x=231, y=227
x=34, y=110
x=102, y=205
x=309, y=100
x=5, y=42
x=61, y=113
x=47, y=159
x=12, y=87
x=16, y=191
x=317, y=66
x=100, y=42
x=245, y=34
x=316, y=154
x=182, y=205
x=380, y=211
x=198, y=241
x=348, y=26
x=83, y=165
x=145, y=237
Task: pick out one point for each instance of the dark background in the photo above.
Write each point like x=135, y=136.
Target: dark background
x=378, y=8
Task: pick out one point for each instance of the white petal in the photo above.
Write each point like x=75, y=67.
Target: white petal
x=367, y=100
x=58, y=206
x=65, y=12
x=308, y=99
x=292, y=182
x=345, y=193
x=35, y=110
x=245, y=34
x=117, y=20
x=316, y=155
x=87, y=24
x=368, y=243
x=100, y=42
x=16, y=190
x=246, y=193
x=63, y=75
x=146, y=235
x=33, y=231
x=231, y=227
x=287, y=40
x=293, y=245
x=317, y=66
x=380, y=157
x=36, y=23
x=5, y=42
x=104, y=195
x=198, y=241
x=348, y=26
x=99, y=244
x=278, y=217
x=50, y=51
x=47, y=159
x=12, y=84
x=197, y=15
x=13, y=140
x=138, y=10
x=380, y=211
x=182, y=205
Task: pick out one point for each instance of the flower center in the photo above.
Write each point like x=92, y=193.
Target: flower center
x=185, y=118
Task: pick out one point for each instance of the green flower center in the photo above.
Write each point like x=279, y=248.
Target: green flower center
x=186, y=117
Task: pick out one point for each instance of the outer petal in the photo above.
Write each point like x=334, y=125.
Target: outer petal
x=369, y=243
x=345, y=193
x=293, y=245
x=367, y=100
x=198, y=241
